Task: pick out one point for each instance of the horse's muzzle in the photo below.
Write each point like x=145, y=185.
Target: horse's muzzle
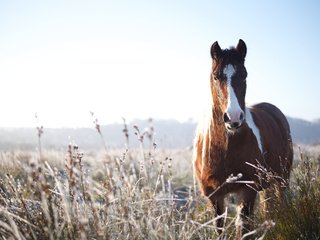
x=231, y=124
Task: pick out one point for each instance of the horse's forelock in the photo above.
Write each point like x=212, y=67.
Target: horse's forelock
x=227, y=57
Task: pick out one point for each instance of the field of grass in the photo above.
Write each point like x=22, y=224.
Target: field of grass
x=144, y=193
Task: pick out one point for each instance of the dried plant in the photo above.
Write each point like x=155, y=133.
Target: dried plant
x=126, y=132
x=39, y=133
x=98, y=128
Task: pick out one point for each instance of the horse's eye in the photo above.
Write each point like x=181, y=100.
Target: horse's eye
x=220, y=77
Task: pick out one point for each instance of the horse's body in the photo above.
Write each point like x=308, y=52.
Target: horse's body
x=237, y=138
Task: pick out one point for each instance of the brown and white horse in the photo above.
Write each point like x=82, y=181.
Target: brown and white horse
x=236, y=138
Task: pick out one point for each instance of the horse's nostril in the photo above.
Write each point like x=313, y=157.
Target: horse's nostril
x=226, y=118
x=235, y=125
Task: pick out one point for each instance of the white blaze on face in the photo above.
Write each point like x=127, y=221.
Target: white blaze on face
x=233, y=108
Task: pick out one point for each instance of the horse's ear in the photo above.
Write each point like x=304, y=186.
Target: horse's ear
x=242, y=48
x=215, y=50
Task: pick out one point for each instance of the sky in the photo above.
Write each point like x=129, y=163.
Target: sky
x=140, y=59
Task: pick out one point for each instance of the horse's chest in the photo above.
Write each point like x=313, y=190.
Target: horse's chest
x=233, y=165
x=236, y=161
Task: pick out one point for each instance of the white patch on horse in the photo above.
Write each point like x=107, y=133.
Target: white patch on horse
x=233, y=107
x=254, y=128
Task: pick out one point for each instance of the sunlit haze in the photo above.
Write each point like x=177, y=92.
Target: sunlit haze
x=141, y=59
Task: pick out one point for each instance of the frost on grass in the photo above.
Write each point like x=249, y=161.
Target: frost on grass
x=143, y=193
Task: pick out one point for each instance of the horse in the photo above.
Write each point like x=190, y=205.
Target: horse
x=237, y=142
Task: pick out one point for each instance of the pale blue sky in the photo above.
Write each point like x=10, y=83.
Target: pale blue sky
x=140, y=59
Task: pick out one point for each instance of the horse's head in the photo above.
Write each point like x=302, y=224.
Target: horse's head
x=228, y=84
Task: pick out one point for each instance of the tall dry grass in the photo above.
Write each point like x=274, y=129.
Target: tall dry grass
x=298, y=216
x=144, y=193
x=112, y=194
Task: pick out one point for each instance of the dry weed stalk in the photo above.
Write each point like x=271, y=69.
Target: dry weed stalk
x=74, y=171
x=126, y=132
x=98, y=128
x=39, y=134
x=140, y=136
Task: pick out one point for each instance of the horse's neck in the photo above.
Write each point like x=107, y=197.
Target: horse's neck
x=216, y=144
x=218, y=130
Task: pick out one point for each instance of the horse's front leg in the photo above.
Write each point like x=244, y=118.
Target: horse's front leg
x=218, y=205
x=247, y=198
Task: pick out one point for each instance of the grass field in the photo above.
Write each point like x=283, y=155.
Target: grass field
x=144, y=193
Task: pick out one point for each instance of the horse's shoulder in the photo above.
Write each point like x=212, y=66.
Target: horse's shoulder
x=267, y=113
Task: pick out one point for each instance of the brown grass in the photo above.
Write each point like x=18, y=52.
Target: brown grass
x=144, y=193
